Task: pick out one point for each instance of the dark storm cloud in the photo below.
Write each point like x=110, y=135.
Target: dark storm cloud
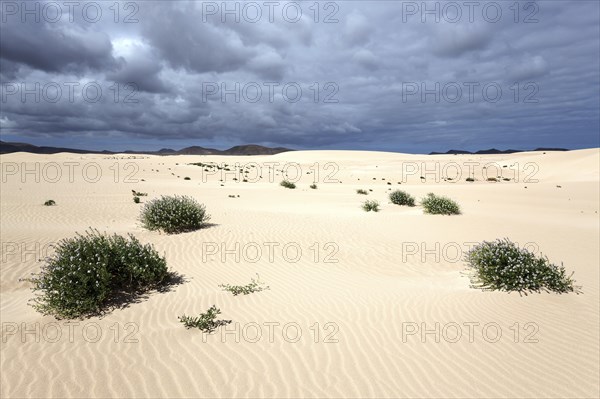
x=53, y=47
x=365, y=62
x=141, y=68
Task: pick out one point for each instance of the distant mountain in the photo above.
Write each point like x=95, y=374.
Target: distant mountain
x=253, y=149
x=494, y=151
x=166, y=151
x=250, y=149
x=550, y=149
x=196, y=150
x=6, y=147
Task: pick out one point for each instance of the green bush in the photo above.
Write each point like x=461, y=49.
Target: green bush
x=502, y=265
x=255, y=285
x=206, y=322
x=136, y=199
x=313, y=186
x=371, y=206
x=90, y=271
x=174, y=214
x=50, y=203
x=361, y=191
x=400, y=197
x=438, y=205
x=287, y=184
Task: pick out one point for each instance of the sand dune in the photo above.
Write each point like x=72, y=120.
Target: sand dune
x=361, y=285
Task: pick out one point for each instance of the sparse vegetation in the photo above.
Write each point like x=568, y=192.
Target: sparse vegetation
x=138, y=194
x=89, y=272
x=287, y=184
x=439, y=205
x=400, y=197
x=207, y=322
x=50, y=203
x=371, y=206
x=174, y=214
x=503, y=265
x=255, y=285
x=361, y=191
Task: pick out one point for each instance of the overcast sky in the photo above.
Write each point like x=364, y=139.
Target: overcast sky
x=380, y=75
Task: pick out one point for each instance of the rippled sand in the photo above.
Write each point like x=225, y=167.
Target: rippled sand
x=353, y=314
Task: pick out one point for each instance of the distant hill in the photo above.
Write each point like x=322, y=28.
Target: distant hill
x=253, y=149
x=494, y=151
x=6, y=147
x=250, y=149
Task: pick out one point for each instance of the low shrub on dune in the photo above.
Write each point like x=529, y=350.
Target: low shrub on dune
x=174, y=214
x=206, y=322
x=255, y=285
x=287, y=184
x=89, y=272
x=502, y=265
x=369, y=206
x=439, y=205
x=400, y=197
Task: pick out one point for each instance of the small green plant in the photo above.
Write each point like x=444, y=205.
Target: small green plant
x=89, y=272
x=207, y=322
x=174, y=214
x=502, y=265
x=287, y=184
x=361, y=191
x=50, y=203
x=255, y=285
x=371, y=206
x=136, y=199
x=313, y=186
x=439, y=205
x=400, y=197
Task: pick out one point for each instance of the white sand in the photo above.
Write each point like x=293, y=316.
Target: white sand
x=373, y=295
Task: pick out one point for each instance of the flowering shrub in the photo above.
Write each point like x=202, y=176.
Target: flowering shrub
x=88, y=271
x=438, y=205
x=174, y=214
x=502, y=265
x=400, y=197
x=370, y=206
